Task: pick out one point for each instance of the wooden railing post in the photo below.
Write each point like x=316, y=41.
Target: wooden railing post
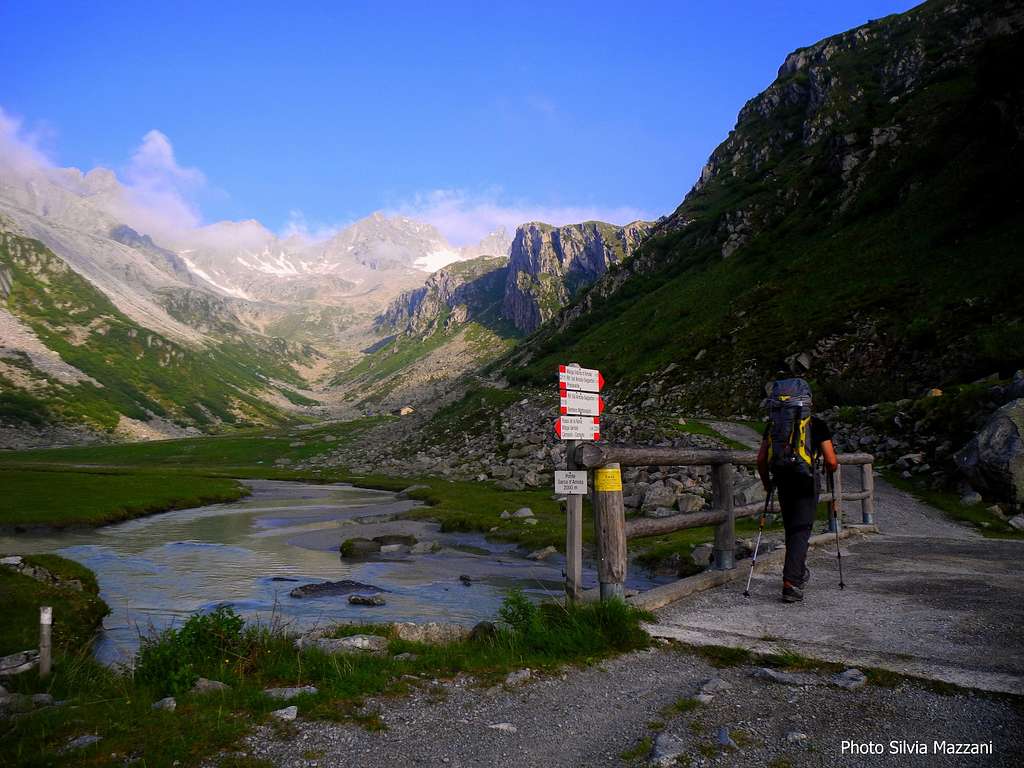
x=725, y=532
x=610, y=527
x=867, y=484
x=835, y=522
x=573, y=533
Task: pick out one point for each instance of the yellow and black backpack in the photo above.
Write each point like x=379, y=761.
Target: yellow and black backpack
x=790, y=449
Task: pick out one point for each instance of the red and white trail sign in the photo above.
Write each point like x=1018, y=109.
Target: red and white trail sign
x=580, y=379
x=581, y=403
x=578, y=428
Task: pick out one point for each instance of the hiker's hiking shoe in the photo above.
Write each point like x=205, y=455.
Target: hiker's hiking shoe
x=806, y=578
x=791, y=593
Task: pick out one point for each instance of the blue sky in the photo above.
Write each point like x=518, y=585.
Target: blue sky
x=314, y=114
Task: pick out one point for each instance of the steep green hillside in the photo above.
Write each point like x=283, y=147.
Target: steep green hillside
x=134, y=371
x=866, y=210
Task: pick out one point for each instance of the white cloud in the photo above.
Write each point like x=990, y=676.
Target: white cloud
x=299, y=227
x=466, y=218
x=158, y=193
x=19, y=148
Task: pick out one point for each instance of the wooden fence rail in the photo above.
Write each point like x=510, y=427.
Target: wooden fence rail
x=613, y=529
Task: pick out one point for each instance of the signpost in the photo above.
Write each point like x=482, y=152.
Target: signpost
x=578, y=427
x=581, y=403
x=572, y=481
x=580, y=407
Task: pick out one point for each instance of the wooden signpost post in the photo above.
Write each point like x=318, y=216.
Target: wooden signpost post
x=581, y=405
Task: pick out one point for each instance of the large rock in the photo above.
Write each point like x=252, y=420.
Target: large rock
x=371, y=645
x=993, y=460
x=748, y=491
x=430, y=632
x=359, y=547
x=658, y=495
x=335, y=589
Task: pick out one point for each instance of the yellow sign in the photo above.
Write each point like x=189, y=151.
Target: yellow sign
x=607, y=480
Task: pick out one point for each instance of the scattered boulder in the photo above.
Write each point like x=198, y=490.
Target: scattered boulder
x=366, y=600
x=405, y=656
x=530, y=521
x=334, y=589
x=971, y=498
x=466, y=580
x=1017, y=521
x=208, y=686
x=523, y=512
x=484, y=630
x=287, y=714
x=286, y=694
x=658, y=495
x=542, y=554
x=690, y=502
x=359, y=547
x=993, y=460
x=168, y=704
x=748, y=491
x=424, y=548
x=660, y=512
x=796, y=737
x=666, y=750
x=42, y=700
x=430, y=632
x=850, y=679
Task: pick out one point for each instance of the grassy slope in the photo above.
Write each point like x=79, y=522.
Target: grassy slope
x=929, y=248
x=138, y=369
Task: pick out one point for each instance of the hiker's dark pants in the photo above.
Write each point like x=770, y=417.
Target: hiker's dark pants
x=798, y=498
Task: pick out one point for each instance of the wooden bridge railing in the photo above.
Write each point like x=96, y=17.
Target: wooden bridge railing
x=613, y=530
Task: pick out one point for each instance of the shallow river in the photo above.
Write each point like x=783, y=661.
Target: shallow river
x=156, y=570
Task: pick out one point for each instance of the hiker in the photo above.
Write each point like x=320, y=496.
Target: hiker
x=793, y=441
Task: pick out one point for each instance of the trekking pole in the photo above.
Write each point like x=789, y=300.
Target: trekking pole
x=833, y=507
x=760, y=528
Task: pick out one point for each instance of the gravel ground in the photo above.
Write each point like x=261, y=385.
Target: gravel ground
x=590, y=717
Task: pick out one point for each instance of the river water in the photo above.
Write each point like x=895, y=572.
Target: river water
x=155, y=571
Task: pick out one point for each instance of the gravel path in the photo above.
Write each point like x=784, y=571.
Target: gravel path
x=590, y=717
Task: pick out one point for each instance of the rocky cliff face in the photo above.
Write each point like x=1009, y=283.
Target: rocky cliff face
x=549, y=265
x=860, y=221
x=466, y=290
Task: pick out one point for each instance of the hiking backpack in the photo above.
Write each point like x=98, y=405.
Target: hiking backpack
x=790, y=449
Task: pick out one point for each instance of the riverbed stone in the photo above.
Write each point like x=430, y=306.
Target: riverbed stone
x=388, y=539
x=286, y=694
x=334, y=589
x=366, y=600
x=542, y=554
x=208, y=686
x=423, y=548
x=359, y=547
